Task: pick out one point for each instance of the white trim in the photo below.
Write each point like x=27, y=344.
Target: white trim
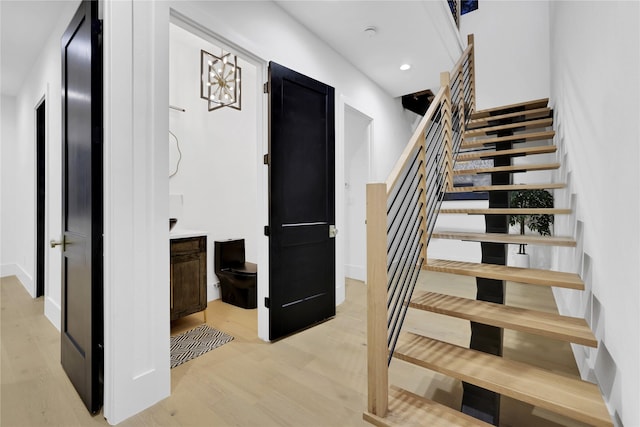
x=52, y=311
x=42, y=99
x=357, y=272
x=47, y=208
x=342, y=269
x=262, y=126
x=136, y=195
x=188, y=21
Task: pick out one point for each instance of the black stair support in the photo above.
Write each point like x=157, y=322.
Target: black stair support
x=476, y=401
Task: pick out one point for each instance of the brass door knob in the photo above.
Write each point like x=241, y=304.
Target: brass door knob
x=55, y=243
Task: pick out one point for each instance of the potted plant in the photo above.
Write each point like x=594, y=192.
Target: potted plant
x=532, y=199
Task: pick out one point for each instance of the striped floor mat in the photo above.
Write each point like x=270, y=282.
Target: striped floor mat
x=196, y=342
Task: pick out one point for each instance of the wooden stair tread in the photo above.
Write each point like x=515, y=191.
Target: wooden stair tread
x=568, y=396
x=529, y=276
x=512, y=169
x=409, y=409
x=507, y=211
x=510, y=187
x=513, y=139
x=515, y=239
x=488, y=154
x=530, y=124
x=525, y=115
x=549, y=325
x=526, y=105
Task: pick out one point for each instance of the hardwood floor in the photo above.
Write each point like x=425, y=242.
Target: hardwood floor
x=314, y=378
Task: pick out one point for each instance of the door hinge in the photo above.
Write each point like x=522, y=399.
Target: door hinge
x=265, y=159
x=97, y=27
x=267, y=302
x=265, y=87
x=267, y=230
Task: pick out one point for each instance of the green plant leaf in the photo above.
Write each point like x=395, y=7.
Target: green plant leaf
x=533, y=199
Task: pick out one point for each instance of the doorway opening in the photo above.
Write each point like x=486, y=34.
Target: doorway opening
x=214, y=167
x=41, y=173
x=357, y=159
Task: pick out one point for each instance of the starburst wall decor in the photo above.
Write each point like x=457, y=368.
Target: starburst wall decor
x=220, y=80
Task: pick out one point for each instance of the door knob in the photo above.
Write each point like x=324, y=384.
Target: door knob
x=55, y=243
x=332, y=231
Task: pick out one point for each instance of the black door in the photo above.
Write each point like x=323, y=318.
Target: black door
x=81, y=335
x=301, y=201
x=40, y=197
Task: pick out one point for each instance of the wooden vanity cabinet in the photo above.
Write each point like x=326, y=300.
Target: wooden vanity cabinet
x=188, y=278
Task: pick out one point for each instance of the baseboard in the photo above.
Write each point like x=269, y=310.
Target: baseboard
x=213, y=291
x=356, y=272
x=24, y=277
x=52, y=312
x=340, y=294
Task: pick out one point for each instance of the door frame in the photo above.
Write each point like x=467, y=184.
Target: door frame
x=262, y=145
x=345, y=102
x=346, y=105
x=179, y=15
x=41, y=238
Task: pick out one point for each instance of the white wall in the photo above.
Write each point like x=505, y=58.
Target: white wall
x=18, y=172
x=512, y=65
x=456, y=250
x=217, y=176
x=357, y=136
x=10, y=199
x=266, y=31
x=512, y=50
x=595, y=64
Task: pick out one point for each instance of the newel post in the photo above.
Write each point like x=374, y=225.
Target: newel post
x=445, y=80
x=377, y=349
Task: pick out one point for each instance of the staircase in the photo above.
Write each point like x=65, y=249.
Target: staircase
x=498, y=133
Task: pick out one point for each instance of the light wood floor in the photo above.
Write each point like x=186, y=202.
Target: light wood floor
x=314, y=378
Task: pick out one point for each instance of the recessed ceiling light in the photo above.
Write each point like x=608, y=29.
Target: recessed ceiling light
x=405, y=67
x=370, y=31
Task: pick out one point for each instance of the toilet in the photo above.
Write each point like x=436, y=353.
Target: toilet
x=238, y=279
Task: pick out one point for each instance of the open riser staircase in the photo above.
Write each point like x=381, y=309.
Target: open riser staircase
x=401, y=219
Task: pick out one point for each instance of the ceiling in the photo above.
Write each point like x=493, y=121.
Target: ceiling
x=416, y=32
x=25, y=26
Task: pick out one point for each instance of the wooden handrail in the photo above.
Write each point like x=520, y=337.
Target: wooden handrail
x=433, y=171
x=394, y=175
x=458, y=65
